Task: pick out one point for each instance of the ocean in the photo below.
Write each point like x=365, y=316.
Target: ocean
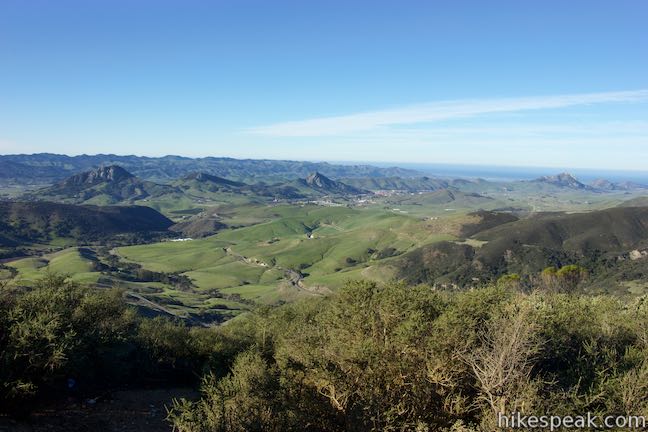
x=504, y=173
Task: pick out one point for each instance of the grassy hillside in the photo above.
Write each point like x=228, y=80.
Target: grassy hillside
x=287, y=253
x=79, y=263
x=301, y=251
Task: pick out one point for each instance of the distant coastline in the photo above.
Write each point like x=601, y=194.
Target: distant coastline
x=505, y=173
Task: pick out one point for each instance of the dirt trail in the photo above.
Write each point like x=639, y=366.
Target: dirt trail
x=120, y=411
x=246, y=260
x=292, y=278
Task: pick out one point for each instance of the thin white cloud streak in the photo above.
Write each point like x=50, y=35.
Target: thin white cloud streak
x=438, y=111
x=586, y=131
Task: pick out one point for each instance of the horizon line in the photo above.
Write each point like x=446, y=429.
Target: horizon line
x=375, y=163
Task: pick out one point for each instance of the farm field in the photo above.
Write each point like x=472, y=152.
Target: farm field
x=321, y=246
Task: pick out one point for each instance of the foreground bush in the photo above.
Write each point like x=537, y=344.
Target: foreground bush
x=400, y=358
x=61, y=339
x=383, y=358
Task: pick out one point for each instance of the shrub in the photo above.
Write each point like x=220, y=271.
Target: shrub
x=60, y=336
x=399, y=358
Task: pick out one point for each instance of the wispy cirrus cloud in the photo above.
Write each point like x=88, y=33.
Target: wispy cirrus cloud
x=438, y=111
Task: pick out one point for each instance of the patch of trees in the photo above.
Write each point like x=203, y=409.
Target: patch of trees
x=10, y=272
x=564, y=279
x=461, y=265
x=136, y=273
x=60, y=339
x=396, y=358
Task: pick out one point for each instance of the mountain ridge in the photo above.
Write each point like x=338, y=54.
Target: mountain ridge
x=563, y=180
x=50, y=167
x=320, y=183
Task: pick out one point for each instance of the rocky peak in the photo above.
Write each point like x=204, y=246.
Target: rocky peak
x=111, y=173
x=319, y=180
x=563, y=180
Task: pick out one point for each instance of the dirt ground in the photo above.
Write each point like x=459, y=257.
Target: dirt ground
x=119, y=411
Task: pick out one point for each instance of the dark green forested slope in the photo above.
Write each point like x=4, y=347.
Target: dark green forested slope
x=29, y=222
x=600, y=241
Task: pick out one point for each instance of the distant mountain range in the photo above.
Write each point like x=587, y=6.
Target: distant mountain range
x=566, y=180
x=73, y=177
x=110, y=185
x=49, y=168
x=114, y=185
x=606, y=185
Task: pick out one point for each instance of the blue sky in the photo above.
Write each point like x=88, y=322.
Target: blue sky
x=529, y=83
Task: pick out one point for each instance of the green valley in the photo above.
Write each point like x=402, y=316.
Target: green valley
x=205, y=248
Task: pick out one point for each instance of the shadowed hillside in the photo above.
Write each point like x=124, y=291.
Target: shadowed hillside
x=615, y=229
x=641, y=201
x=599, y=240
x=22, y=222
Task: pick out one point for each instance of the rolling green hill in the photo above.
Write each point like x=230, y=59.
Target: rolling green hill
x=287, y=252
x=203, y=184
x=299, y=251
x=240, y=243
